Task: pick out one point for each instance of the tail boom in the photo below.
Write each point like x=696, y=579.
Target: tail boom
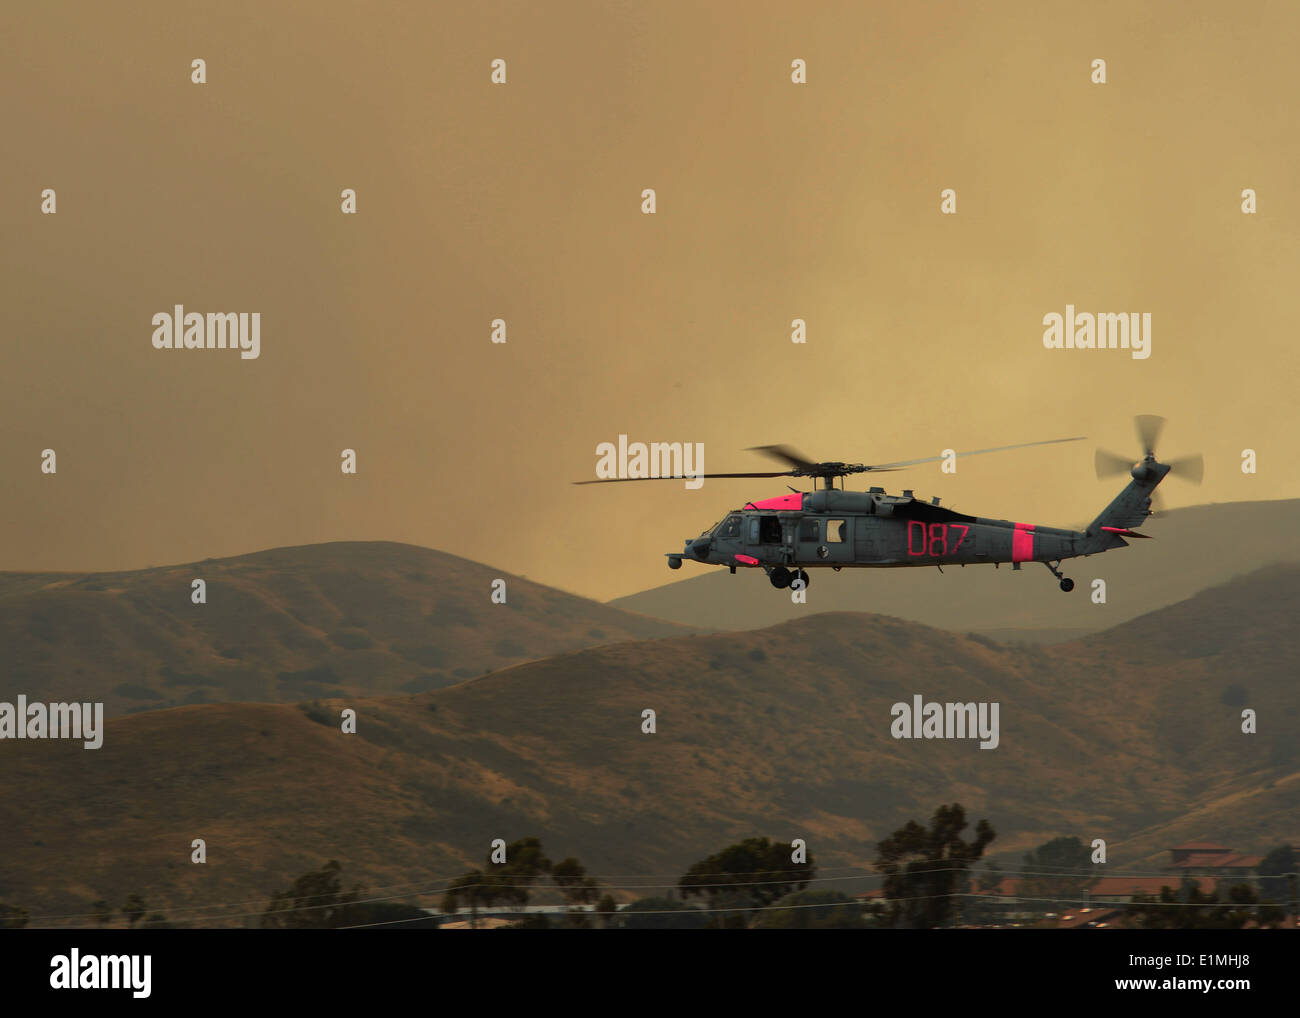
x=1129, y=509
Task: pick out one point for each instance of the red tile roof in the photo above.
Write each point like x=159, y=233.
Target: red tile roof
x=1108, y=888
x=1211, y=860
x=1115, y=888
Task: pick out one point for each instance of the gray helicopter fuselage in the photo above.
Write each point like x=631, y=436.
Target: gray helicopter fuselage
x=851, y=529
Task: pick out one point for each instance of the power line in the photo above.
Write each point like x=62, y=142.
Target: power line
x=217, y=910
x=1091, y=905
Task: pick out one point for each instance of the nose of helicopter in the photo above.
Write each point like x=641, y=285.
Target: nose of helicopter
x=697, y=548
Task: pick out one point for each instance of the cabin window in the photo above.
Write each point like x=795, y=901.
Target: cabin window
x=770, y=530
x=809, y=531
x=837, y=531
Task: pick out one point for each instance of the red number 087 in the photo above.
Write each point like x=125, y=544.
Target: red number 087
x=932, y=541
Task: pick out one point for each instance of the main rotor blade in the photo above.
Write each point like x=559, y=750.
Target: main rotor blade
x=1188, y=468
x=1109, y=464
x=784, y=452
x=689, y=477
x=1148, y=431
x=976, y=452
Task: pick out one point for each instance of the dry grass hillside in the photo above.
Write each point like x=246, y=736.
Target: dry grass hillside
x=1132, y=735
x=354, y=618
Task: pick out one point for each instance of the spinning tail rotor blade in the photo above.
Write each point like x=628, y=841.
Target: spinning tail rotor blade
x=1188, y=468
x=1111, y=464
x=1148, y=427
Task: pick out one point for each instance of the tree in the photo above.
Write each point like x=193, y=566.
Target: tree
x=1278, y=875
x=312, y=903
x=925, y=869
x=103, y=912
x=473, y=891
x=1060, y=870
x=578, y=888
x=1189, y=908
x=661, y=914
x=749, y=874
x=525, y=862
x=606, y=910
x=1265, y=915
x=571, y=877
x=506, y=882
x=814, y=910
x=984, y=908
x=12, y=917
x=134, y=910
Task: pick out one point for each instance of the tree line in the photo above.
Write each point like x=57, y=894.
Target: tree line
x=928, y=880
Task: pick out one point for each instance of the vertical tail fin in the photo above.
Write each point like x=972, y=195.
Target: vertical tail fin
x=1131, y=506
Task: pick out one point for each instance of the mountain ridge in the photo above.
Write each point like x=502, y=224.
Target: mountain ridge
x=287, y=624
x=784, y=732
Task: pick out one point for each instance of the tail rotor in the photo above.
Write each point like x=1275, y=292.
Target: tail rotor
x=1148, y=428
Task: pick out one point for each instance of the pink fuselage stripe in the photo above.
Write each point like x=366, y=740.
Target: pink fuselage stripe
x=1022, y=543
x=748, y=560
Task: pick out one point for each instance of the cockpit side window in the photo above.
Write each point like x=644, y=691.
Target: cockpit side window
x=730, y=529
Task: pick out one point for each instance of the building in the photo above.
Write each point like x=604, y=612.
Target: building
x=1207, y=857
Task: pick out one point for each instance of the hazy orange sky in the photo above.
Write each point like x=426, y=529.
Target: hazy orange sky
x=522, y=201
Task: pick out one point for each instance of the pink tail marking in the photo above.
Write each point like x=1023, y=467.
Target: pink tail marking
x=1022, y=543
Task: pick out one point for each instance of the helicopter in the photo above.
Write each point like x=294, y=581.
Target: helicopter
x=830, y=527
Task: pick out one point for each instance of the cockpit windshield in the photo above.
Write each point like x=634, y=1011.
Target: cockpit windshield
x=708, y=530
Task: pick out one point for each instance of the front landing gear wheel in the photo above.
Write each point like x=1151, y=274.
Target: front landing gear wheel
x=1067, y=584
x=801, y=575
x=780, y=577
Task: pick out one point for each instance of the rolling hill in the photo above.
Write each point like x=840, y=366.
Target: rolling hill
x=353, y=618
x=1194, y=548
x=1132, y=735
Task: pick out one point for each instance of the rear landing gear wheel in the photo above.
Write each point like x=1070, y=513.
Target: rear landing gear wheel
x=1067, y=584
x=801, y=575
x=780, y=577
